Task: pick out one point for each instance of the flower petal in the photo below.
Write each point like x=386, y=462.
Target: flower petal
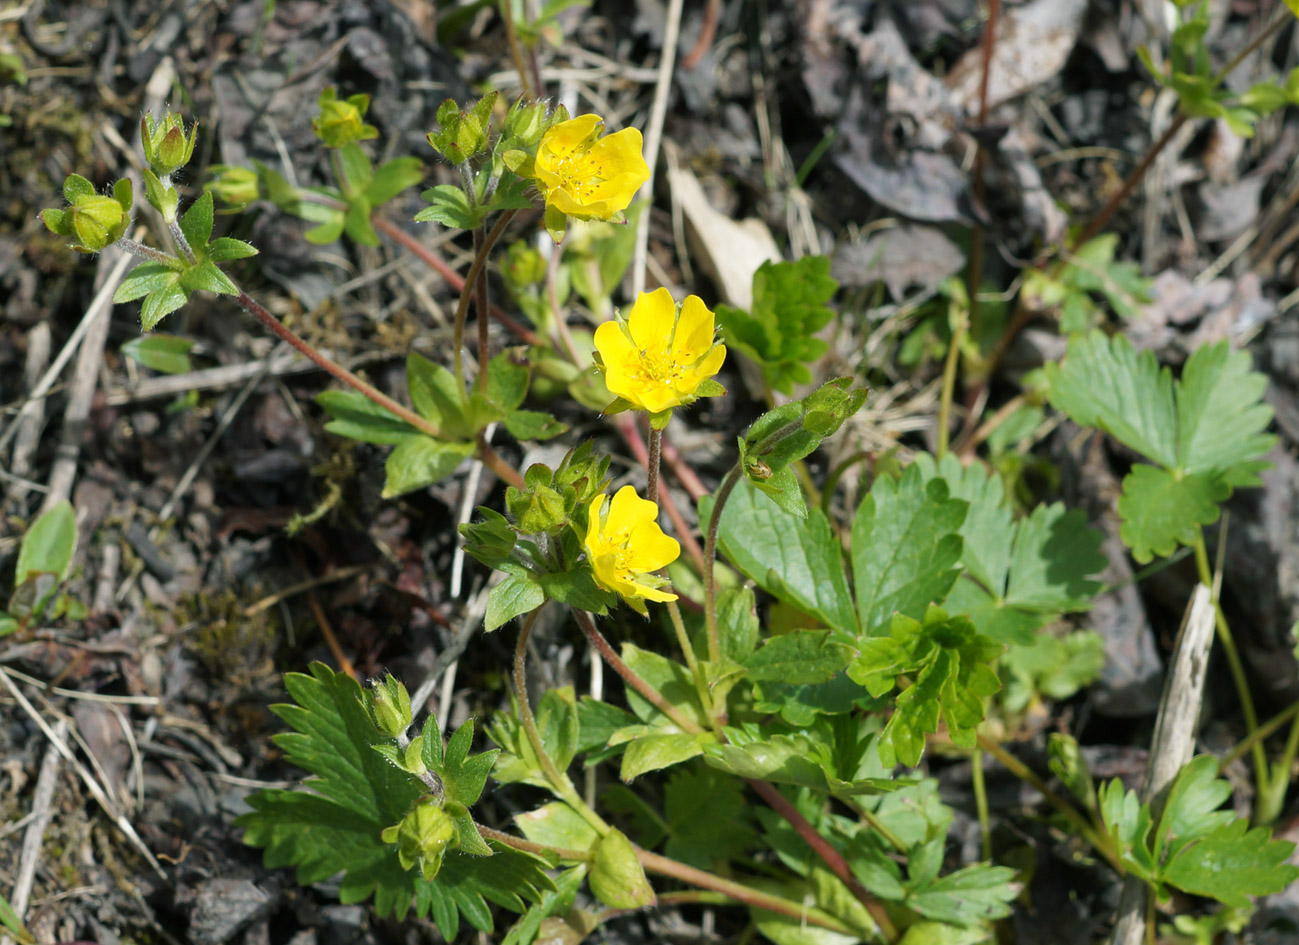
x=651, y=549
x=651, y=319
x=694, y=334
x=628, y=512
x=653, y=593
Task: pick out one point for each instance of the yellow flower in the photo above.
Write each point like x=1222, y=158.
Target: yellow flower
x=626, y=546
x=660, y=357
x=585, y=176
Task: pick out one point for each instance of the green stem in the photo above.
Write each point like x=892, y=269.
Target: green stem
x=710, y=563
x=692, y=661
x=466, y=293
x=1289, y=714
x=835, y=474
x=876, y=824
x=1100, y=842
x=1268, y=806
x=148, y=252
x=559, y=780
x=1234, y=664
x=949, y=384
x=981, y=803
x=516, y=54
x=483, y=316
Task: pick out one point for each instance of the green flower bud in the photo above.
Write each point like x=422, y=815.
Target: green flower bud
x=523, y=266
x=166, y=146
x=423, y=838
x=389, y=707
x=93, y=220
x=340, y=120
x=524, y=124
x=236, y=186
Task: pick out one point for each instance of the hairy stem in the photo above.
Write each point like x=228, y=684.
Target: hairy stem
x=559, y=780
x=652, y=464
x=710, y=563
x=664, y=866
x=631, y=677
x=277, y=328
x=828, y=854
x=146, y=252
x=480, y=309
x=453, y=278
x=467, y=292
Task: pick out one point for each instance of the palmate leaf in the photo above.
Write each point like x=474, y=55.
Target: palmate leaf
x=905, y=547
x=1205, y=431
x=334, y=827
x=1019, y=575
x=1196, y=847
x=789, y=308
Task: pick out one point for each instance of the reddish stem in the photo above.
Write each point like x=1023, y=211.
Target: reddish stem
x=277, y=328
x=630, y=676
x=828, y=854
x=453, y=278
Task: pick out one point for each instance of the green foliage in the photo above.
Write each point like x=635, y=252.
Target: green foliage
x=93, y=220
x=1054, y=667
x=166, y=286
x=905, y=547
x=1195, y=847
x=1090, y=271
x=44, y=558
x=797, y=560
x=948, y=663
x=336, y=826
x=1019, y=575
x=1200, y=90
x=340, y=121
x=779, y=331
x=790, y=432
x=1204, y=431
x=167, y=354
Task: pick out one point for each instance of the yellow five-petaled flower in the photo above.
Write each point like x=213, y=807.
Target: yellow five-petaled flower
x=585, y=176
x=660, y=356
x=626, y=546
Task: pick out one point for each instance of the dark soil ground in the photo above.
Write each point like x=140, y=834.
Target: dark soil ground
x=845, y=129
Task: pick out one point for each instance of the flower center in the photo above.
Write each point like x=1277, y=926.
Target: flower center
x=657, y=367
x=578, y=174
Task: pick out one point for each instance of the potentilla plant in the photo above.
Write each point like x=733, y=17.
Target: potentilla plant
x=768, y=763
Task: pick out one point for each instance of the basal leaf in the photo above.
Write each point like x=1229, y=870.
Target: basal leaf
x=705, y=817
x=1233, y=863
x=1221, y=415
x=1161, y=509
x=48, y=544
x=799, y=658
x=1105, y=383
x=797, y=560
x=905, y=545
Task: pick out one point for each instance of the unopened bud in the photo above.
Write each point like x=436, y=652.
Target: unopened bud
x=423, y=838
x=166, y=145
x=340, y=121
